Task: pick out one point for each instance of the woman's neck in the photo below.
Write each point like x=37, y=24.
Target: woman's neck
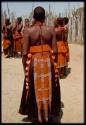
x=38, y=23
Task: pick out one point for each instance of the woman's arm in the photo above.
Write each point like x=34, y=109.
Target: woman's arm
x=25, y=48
x=54, y=45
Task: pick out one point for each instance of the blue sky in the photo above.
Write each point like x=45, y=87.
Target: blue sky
x=24, y=8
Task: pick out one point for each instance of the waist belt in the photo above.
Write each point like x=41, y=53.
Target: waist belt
x=40, y=48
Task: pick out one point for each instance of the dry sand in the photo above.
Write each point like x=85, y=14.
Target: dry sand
x=72, y=88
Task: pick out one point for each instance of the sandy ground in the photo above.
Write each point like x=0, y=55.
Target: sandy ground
x=72, y=88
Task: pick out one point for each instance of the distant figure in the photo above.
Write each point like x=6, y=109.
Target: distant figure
x=32, y=23
x=17, y=33
x=26, y=25
x=56, y=24
x=41, y=99
x=7, y=39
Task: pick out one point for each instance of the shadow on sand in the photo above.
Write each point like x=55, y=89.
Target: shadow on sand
x=68, y=71
x=26, y=120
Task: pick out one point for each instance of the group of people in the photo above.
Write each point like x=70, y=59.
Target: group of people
x=45, y=57
x=13, y=37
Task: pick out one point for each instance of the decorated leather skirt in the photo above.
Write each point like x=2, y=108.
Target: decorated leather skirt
x=67, y=53
x=6, y=44
x=17, y=45
x=17, y=42
x=41, y=93
x=62, y=51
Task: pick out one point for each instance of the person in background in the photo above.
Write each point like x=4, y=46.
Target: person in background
x=56, y=24
x=17, y=35
x=61, y=60
x=41, y=99
x=7, y=39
